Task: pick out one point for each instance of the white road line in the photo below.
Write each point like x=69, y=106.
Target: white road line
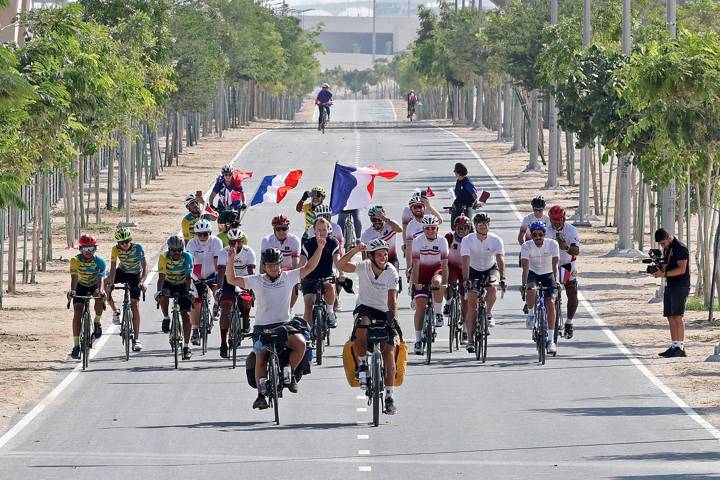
x=55, y=392
x=392, y=109
x=363, y=437
x=360, y=397
x=365, y=468
x=688, y=410
x=363, y=452
x=361, y=409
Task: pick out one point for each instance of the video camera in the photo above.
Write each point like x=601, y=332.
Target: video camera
x=655, y=260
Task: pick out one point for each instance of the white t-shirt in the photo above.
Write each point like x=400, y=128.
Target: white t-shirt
x=272, y=299
x=290, y=248
x=540, y=257
x=243, y=259
x=204, y=255
x=570, y=234
x=373, y=292
x=482, y=253
x=413, y=229
x=529, y=219
x=386, y=233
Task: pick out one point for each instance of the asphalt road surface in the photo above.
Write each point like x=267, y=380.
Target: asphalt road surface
x=588, y=413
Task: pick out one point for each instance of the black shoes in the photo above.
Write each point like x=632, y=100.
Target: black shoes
x=293, y=387
x=166, y=325
x=568, y=330
x=75, y=352
x=97, y=332
x=195, y=337
x=390, y=408
x=673, y=352
x=186, y=353
x=224, y=351
x=260, y=403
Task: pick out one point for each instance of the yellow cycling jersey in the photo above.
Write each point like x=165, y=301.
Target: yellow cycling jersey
x=130, y=260
x=223, y=238
x=188, y=225
x=176, y=271
x=88, y=271
x=309, y=214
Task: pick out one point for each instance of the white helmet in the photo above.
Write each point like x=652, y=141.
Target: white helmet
x=429, y=221
x=377, y=244
x=415, y=199
x=323, y=209
x=190, y=198
x=235, y=234
x=325, y=85
x=203, y=226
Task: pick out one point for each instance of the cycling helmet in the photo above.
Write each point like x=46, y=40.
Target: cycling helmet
x=227, y=169
x=235, y=234
x=429, y=221
x=537, y=225
x=203, y=226
x=88, y=241
x=323, y=209
x=556, y=213
x=190, y=198
x=412, y=91
x=538, y=202
x=319, y=190
x=122, y=234
x=481, y=218
x=325, y=85
x=461, y=220
x=377, y=244
x=176, y=242
x=415, y=199
x=280, y=221
x=271, y=255
x=227, y=217
x=373, y=211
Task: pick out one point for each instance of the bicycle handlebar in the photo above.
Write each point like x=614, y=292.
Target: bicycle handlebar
x=82, y=297
x=126, y=287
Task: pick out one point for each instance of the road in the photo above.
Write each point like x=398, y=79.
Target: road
x=588, y=413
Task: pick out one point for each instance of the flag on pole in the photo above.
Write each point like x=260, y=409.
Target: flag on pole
x=273, y=188
x=209, y=213
x=354, y=187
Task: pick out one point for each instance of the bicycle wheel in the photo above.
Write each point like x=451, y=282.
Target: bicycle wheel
x=541, y=339
x=479, y=337
x=85, y=342
x=175, y=337
x=234, y=334
x=428, y=335
x=559, y=321
x=452, y=324
x=273, y=384
x=126, y=331
x=376, y=382
x=204, y=323
x=318, y=327
x=484, y=333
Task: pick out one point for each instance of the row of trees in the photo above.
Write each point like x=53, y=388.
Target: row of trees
x=653, y=106
x=380, y=79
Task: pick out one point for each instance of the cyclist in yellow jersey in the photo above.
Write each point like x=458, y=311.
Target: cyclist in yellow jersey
x=228, y=220
x=174, y=277
x=127, y=265
x=87, y=271
x=317, y=196
x=194, y=214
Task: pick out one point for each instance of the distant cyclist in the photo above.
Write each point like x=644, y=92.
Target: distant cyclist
x=569, y=243
x=127, y=265
x=411, y=102
x=229, y=190
x=87, y=271
x=323, y=101
x=194, y=214
x=317, y=196
x=287, y=243
x=175, y=278
x=537, y=215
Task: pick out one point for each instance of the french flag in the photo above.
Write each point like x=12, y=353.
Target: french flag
x=354, y=187
x=273, y=188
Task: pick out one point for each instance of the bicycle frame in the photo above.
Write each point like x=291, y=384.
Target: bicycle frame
x=321, y=332
x=85, y=335
x=541, y=325
x=206, y=318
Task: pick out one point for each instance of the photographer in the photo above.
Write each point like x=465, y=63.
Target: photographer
x=675, y=268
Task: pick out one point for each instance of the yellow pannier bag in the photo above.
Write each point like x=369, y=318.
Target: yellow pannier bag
x=350, y=363
x=401, y=359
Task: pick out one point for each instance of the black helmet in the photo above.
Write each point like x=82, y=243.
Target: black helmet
x=227, y=217
x=538, y=202
x=271, y=255
x=481, y=218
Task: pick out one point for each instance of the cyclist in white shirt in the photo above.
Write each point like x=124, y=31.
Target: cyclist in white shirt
x=483, y=256
x=273, y=290
x=569, y=243
x=384, y=228
x=414, y=227
x=429, y=269
x=539, y=258
x=324, y=211
x=376, y=302
x=205, y=249
x=229, y=294
x=537, y=215
x=287, y=243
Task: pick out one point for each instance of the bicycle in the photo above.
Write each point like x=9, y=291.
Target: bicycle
x=539, y=331
x=236, y=330
x=127, y=332
x=455, y=318
x=429, y=334
x=206, y=318
x=323, y=116
x=411, y=113
x=321, y=331
x=274, y=386
x=349, y=230
x=376, y=334
x=559, y=319
x=85, y=322
x=176, y=331
x=482, y=323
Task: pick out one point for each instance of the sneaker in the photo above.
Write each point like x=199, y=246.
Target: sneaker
x=529, y=321
x=470, y=348
x=318, y=131
x=75, y=353
x=446, y=309
x=677, y=352
x=331, y=320
x=362, y=374
x=418, y=348
x=338, y=306
x=439, y=322
x=116, y=317
x=166, y=325
x=551, y=347
x=186, y=353
x=97, y=332
x=246, y=326
x=260, y=403
x=666, y=353
x=136, y=346
x=525, y=309
x=390, y=408
x=413, y=305
x=568, y=330
x=195, y=337
x=293, y=387
x=224, y=351
x=464, y=338
x=216, y=311
x=491, y=322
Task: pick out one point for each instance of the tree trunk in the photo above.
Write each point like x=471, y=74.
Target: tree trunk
x=37, y=216
x=534, y=125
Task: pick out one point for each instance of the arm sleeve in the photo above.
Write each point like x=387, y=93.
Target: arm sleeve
x=74, y=266
x=294, y=276
x=444, y=249
x=682, y=254
x=555, y=249
x=114, y=253
x=101, y=267
x=252, y=260
x=252, y=282
x=188, y=264
x=501, y=247
x=141, y=252
x=295, y=248
x=218, y=184
x=185, y=225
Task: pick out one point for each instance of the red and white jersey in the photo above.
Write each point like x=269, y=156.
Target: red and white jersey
x=386, y=233
x=430, y=253
x=454, y=257
x=414, y=229
x=290, y=248
x=244, y=259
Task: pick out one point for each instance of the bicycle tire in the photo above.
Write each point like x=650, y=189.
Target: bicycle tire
x=273, y=381
x=318, y=327
x=452, y=324
x=127, y=330
x=376, y=383
x=235, y=319
x=485, y=333
x=174, y=337
x=85, y=338
x=428, y=336
x=204, y=320
x=479, y=338
x=559, y=321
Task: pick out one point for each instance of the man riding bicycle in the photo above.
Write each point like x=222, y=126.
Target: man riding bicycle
x=272, y=295
x=87, y=271
x=323, y=101
x=537, y=215
x=377, y=301
x=287, y=243
x=132, y=269
x=411, y=102
x=175, y=278
x=227, y=220
x=384, y=228
x=466, y=197
x=539, y=258
x=569, y=243
x=461, y=228
x=317, y=195
x=429, y=275
x=483, y=256
x=230, y=295
x=328, y=257
x=205, y=249
x=229, y=190
x=414, y=227
x=194, y=214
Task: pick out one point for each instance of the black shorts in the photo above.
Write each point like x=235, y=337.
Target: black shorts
x=491, y=275
x=547, y=281
x=309, y=285
x=132, y=279
x=259, y=329
x=374, y=315
x=184, y=299
x=674, y=300
x=83, y=291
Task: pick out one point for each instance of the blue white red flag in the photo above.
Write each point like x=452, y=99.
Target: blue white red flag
x=354, y=187
x=273, y=188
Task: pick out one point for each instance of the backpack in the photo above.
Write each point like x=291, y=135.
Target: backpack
x=412, y=98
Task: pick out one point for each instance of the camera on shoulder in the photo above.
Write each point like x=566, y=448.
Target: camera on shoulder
x=655, y=260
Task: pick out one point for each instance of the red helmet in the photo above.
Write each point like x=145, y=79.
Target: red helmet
x=280, y=220
x=461, y=220
x=88, y=241
x=556, y=213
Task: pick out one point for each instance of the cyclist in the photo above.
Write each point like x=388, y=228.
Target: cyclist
x=429, y=268
x=483, y=256
x=569, y=243
x=87, y=271
x=228, y=185
x=461, y=228
x=287, y=243
x=205, y=249
x=466, y=197
x=539, y=258
x=132, y=270
x=175, y=278
x=272, y=293
x=356, y=221
x=229, y=294
x=316, y=195
x=324, y=211
x=377, y=300
x=384, y=228
x=329, y=257
x=537, y=215
x=417, y=206
x=194, y=214
x=227, y=220
x=323, y=101
x=411, y=101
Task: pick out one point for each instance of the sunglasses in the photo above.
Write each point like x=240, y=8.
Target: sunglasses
x=538, y=235
x=88, y=249
x=233, y=242
x=124, y=242
x=431, y=228
x=176, y=250
x=202, y=234
x=227, y=174
x=281, y=229
x=416, y=206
